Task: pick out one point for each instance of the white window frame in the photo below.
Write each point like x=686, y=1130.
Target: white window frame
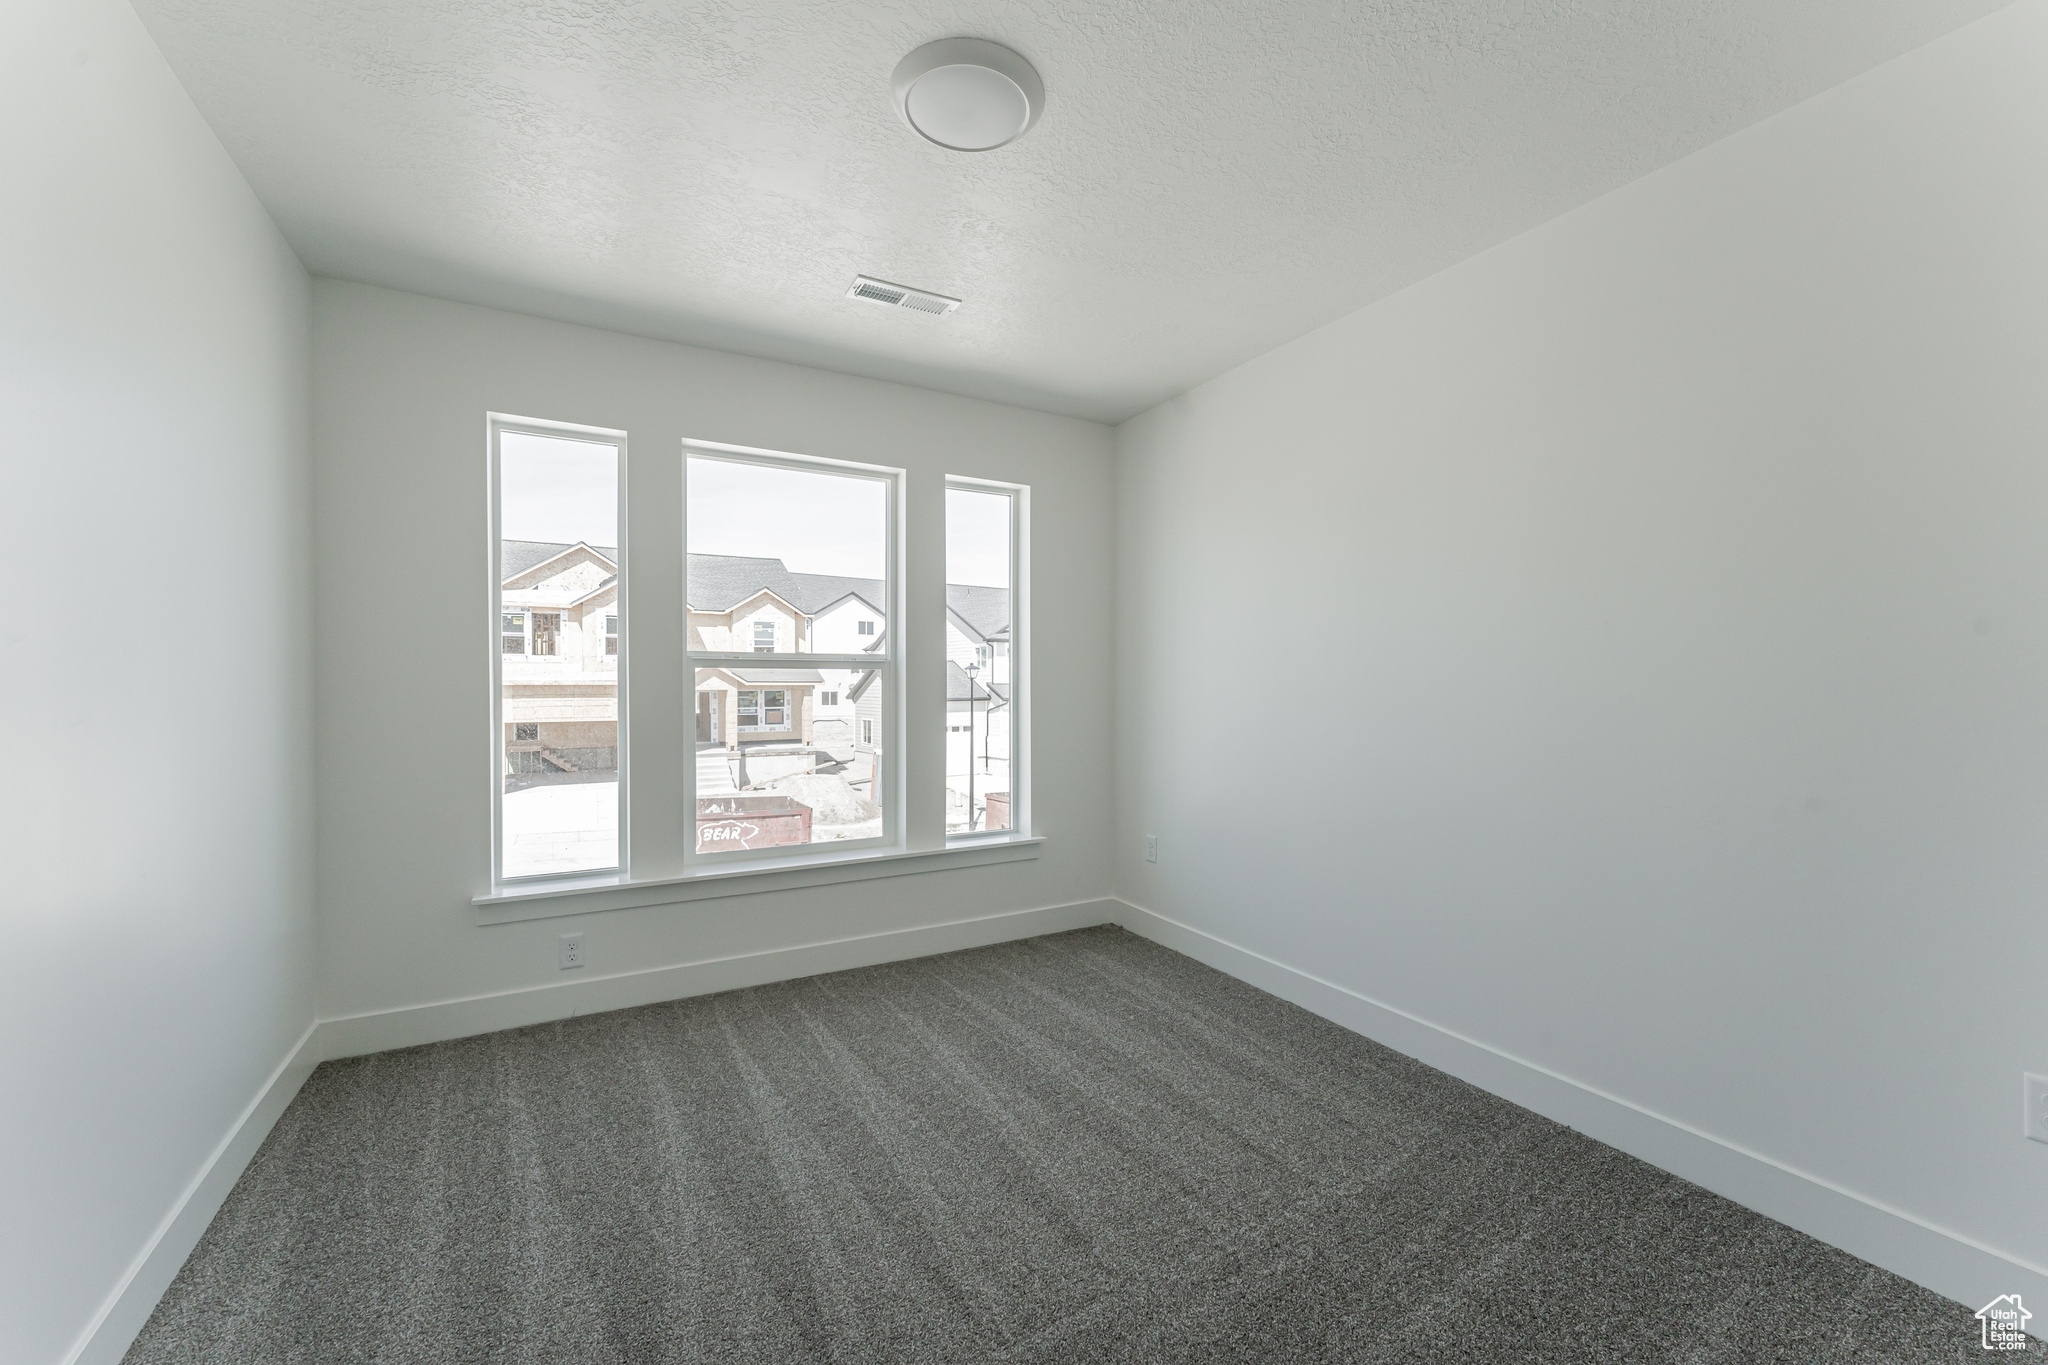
x=496, y=426
x=887, y=660
x=1019, y=702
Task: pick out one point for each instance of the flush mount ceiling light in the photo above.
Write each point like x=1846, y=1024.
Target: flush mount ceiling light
x=967, y=94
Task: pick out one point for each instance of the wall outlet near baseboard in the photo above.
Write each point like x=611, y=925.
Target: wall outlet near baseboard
x=1151, y=848
x=2037, y=1106
x=570, y=951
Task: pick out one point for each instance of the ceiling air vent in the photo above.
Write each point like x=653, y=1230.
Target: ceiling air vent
x=901, y=296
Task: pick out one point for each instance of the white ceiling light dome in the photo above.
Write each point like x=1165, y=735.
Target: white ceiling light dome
x=968, y=94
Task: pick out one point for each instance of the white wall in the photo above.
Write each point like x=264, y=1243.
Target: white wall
x=401, y=388
x=1663, y=601
x=155, y=672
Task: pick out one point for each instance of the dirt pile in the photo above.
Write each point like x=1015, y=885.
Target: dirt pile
x=831, y=800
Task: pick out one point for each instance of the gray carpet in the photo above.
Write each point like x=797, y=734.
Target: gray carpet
x=1077, y=1148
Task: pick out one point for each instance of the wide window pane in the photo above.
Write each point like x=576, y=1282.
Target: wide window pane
x=979, y=693
x=778, y=766
x=559, y=613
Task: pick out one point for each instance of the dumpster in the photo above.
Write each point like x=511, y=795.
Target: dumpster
x=996, y=814
x=729, y=822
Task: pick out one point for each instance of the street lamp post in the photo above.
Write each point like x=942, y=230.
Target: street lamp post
x=971, y=670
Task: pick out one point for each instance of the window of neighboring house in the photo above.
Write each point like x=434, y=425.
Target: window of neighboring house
x=800, y=528
x=557, y=808
x=767, y=709
x=983, y=764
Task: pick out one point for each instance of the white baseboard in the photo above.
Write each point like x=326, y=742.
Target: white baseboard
x=1946, y=1262
x=357, y=1034
x=1943, y=1261
x=113, y=1329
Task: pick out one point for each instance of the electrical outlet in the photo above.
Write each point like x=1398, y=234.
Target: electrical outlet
x=1151, y=848
x=2037, y=1107
x=571, y=951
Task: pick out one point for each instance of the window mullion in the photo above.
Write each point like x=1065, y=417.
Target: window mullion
x=708, y=659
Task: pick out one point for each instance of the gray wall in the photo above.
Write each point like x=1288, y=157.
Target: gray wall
x=156, y=682
x=402, y=385
x=1663, y=600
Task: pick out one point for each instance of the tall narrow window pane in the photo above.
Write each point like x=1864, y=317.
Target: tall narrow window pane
x=785, y=560
x=559, y=618
x=978, y=657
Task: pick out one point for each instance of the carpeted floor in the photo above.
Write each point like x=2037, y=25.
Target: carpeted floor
x=1076, y=1148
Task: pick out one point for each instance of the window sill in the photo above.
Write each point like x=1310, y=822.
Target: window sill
x=585, y=896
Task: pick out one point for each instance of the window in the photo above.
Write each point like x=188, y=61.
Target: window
x=779, y=551
x=793, y=694
x=559, y=708
x=982, y=699
x=766, y=710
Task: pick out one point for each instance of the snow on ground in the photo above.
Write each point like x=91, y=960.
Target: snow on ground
x=571, y=827
x=831, y=799
x=993, y=776
x=838, y=812
x=574, y=826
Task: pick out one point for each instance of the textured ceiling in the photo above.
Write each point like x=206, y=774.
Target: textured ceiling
x=1209, y=179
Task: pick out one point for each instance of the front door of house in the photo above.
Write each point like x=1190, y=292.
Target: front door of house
x=707, y=718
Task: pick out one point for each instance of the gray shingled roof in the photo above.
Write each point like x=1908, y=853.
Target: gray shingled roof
x=987, y=610
x=960, y=687
x=722, y=582
x=517, y=556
